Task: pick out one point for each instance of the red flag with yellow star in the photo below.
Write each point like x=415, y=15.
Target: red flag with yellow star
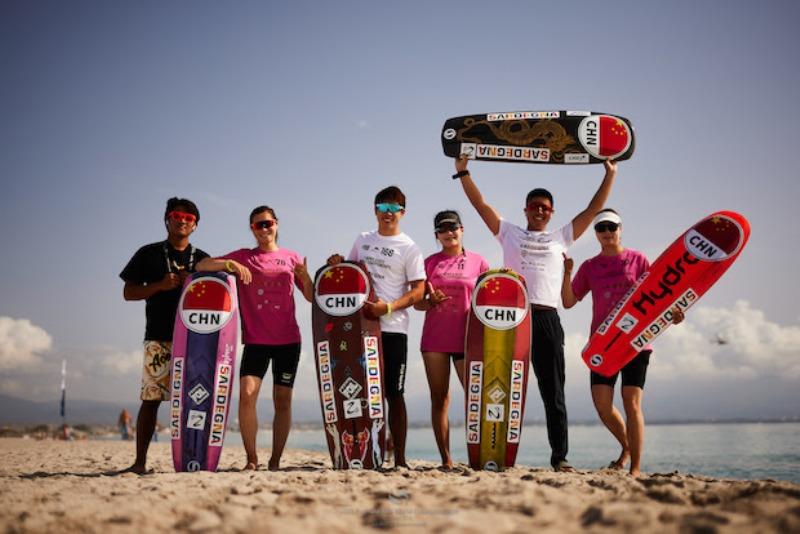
x=206, y=294
x=501, y=291
x=614, y=136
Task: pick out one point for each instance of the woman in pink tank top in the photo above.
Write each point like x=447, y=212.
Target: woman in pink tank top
x=451, y=276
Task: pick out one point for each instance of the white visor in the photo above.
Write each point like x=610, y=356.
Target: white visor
x=604, y=216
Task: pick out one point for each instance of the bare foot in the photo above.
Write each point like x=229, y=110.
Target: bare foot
x=136, y=469
x=251, y=466
x=274, y=465
x=563, y=467
x=635, y=473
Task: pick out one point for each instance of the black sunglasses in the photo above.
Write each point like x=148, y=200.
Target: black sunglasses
x=447, y=227
x=261, y=225
x=606, y=226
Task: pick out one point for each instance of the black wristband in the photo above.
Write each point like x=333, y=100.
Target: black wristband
x=459, y=174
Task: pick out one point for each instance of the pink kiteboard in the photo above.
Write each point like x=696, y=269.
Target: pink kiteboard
x=203, y=369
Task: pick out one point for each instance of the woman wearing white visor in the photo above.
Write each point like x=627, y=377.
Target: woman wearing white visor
x=608, y=276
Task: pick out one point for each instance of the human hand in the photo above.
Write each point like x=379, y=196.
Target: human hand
x=169, y=282
x=569, y=263
x=335, y=259
x=677, y=315
x=461, y=163
x=435, y=296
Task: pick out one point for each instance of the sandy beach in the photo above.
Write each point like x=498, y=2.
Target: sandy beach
x=65, y=486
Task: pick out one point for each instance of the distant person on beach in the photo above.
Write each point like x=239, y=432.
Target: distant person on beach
x=124, y=424
x=536, y=254
x=266, y=276
x=451, y=275
x=398, y=272
x=608, y=276
x=155, y=274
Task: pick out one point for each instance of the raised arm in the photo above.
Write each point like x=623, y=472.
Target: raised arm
x=222, y=264
x=487, y=213
x=582, y=221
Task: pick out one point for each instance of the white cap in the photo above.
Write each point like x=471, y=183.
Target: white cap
x=604, y=216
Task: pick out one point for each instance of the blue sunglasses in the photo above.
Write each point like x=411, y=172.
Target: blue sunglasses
x=386, y=207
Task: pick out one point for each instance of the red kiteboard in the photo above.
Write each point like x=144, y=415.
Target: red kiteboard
x=498, y=346
x=349, y=359
x=678, y=278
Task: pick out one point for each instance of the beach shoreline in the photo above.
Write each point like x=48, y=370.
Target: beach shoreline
x=50, y=485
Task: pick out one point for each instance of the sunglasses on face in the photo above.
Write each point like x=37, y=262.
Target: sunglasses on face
x=263, y=225
x=389, y=207
x=538, y=206
x=180, y=216
x=605, y=226
x=447, y=227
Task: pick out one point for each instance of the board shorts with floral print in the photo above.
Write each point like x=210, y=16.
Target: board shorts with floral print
x=155, y=371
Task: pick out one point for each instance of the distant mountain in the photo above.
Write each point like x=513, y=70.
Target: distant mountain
x=20, y=411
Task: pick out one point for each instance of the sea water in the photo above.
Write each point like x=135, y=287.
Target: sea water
x=725, y=450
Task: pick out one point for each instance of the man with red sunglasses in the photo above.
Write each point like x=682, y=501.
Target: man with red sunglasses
x=538, y=255
x=155, y=274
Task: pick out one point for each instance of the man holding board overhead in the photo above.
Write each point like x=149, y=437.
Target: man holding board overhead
x=537, y=254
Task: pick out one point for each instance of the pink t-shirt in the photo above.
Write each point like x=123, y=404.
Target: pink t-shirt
x=608, y=278
x=267, y=302
x=446, y=324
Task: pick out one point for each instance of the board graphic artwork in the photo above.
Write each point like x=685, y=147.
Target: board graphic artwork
x=203, y=369
x=558, y=137
x=678, y=278
x=348, y=354
x=497, y=358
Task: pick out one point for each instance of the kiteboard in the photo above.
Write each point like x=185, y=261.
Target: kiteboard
x=349, y=359
x=678, y=278
x=497, y=359
x=560, y=137
x=204, y=350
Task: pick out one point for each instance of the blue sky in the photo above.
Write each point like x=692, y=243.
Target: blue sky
x=109, y=108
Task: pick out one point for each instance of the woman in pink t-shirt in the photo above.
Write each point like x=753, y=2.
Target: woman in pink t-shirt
x=608, y=276
x=266, y=277
x=451, y=275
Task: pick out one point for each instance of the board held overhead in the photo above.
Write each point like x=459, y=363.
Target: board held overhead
x=556, y=137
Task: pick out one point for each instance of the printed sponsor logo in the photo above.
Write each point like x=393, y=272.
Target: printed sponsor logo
x=474, y=402
x=175, y=401
x=521, y=115
x=596, y=360
x=341, y=289
x=576, y=158
x=620, y=304
x=578, y=113
x=715, y=238
x=469, y=150
x=206, y=305
x=196, y=420
x=193, y=466
x=326, y=390
x=671, y=277
x=374, y=385
x=495, y=413
x=223, y=392
x=449, y=134
x=350, y=388
x=500, y=302
x=512, y=153
x=198, y=394
x=491, y=465
x=627, y=322
x=352, y=409
x=496, y=394
x=515, y=401
x=663, y=321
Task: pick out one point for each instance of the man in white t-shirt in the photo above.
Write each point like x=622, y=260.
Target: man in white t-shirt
x=397, y=268
x=538, y=255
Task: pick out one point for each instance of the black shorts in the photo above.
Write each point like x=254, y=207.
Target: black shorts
x=395, y=356
x=255, y=362
x=633, y=374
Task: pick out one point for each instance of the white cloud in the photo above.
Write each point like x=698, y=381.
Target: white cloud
x=122, y=362
x=736, y=342
x=21, y=343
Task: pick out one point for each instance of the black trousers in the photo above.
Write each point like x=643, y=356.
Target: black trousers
x=547, y=356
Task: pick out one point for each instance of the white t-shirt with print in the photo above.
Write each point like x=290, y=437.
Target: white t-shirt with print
x=538, y=256
x=393, y=262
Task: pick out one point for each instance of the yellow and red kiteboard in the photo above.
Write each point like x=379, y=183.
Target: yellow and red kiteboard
x=678, y=278
x=497, y=359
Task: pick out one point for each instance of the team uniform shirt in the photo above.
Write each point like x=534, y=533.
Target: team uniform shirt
x=149, y=265
x=393, y=262
x=446, y=323
x=608, y=278
x=267, y=302
x=538, y=256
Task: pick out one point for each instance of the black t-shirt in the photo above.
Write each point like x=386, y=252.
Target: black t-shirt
x=150, y=264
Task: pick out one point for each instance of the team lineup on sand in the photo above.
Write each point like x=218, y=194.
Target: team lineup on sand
x=361, y=350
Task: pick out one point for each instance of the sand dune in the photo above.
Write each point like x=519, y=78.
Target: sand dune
x=61, y=486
